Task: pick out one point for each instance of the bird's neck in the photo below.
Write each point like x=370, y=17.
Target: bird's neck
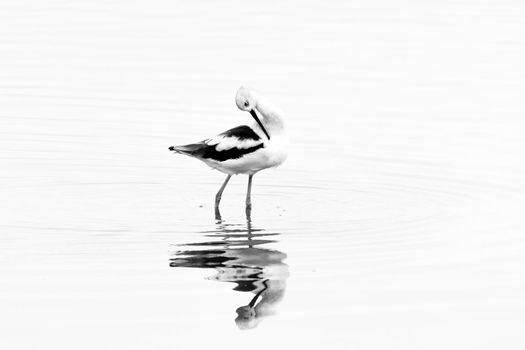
x=272, y=117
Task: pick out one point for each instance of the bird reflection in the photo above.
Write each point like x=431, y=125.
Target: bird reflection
x=236, y=253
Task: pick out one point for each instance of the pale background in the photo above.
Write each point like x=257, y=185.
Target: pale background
x=400, y=209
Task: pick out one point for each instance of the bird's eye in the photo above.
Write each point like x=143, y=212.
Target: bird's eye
x=246, y=103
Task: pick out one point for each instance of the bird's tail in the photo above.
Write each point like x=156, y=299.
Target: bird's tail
x=191, y=150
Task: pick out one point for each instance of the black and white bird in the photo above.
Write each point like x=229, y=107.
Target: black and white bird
x=245, y=149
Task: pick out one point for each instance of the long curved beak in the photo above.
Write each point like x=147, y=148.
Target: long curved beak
x=254, y=115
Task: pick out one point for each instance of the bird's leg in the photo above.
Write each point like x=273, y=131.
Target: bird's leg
x=218, y=197
x=249, y=229
x=249, y=196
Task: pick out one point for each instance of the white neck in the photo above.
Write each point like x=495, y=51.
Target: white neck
x=272, y=116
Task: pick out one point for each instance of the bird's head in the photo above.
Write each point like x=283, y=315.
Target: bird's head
x=245, y=99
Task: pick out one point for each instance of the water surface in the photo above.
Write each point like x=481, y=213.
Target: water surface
x=396, y=222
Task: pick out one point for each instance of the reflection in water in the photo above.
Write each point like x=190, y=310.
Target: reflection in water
x=236, y=254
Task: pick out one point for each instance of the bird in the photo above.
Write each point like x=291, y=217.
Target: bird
x=245, y=149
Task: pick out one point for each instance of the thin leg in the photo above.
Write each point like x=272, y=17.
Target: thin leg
x=249, y=230
x=218, y=197
x=249, y=196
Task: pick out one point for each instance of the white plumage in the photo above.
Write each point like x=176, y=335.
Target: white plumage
x=246, y=149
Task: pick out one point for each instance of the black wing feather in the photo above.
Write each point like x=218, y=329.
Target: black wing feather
x=242, y=132
x=206, y=151
x=211, y=152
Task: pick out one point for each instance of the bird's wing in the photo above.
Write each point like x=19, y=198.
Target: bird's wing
x=231, y=144
x=239, y=137
x=242, y=132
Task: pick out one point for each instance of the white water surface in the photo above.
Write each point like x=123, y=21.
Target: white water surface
x=396, y=223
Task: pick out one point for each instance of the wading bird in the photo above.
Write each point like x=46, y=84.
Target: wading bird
x=245, y=149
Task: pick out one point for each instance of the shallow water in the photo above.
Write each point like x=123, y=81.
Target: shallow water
x=397, y=220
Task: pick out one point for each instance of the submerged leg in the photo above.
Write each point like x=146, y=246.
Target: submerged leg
x=218, y=196
x=249, y=195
